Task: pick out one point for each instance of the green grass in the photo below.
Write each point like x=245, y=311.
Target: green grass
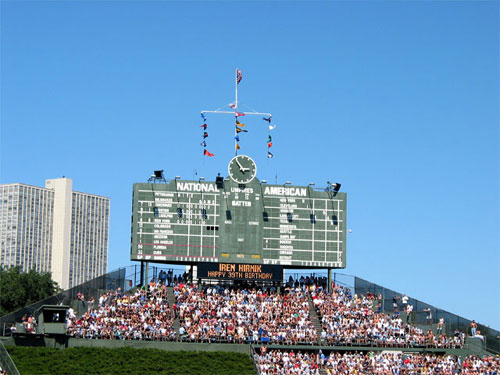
x=89, y=361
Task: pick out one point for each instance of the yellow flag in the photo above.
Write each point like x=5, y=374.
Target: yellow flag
x=237, y=146
x=239, y=123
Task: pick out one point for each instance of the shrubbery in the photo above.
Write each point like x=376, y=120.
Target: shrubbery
x=89, y=361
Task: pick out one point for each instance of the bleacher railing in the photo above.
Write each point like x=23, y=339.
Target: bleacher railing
x=420, y=313
x=7, y=362
x=124, y=278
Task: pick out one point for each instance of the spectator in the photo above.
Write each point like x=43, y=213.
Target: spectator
x=440, y=326
x=428, y=316
x=473, y=328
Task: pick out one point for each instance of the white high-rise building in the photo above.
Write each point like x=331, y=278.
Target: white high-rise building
x=54, y=229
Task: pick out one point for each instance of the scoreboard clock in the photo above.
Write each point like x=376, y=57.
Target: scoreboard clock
x=238, y=221
x=242, y=169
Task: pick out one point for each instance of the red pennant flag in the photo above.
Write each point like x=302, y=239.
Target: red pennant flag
x=239, y=114
x=204, y=126
x=269, y=144
x=206, y=153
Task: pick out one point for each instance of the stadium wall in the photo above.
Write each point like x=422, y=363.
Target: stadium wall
x=473, y=346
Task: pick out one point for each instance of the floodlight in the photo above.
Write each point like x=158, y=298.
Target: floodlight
x=219, y=181
x=264, y=181
x=157, y=176
x=335, y=186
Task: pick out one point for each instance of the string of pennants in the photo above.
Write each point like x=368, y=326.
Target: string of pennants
x=270, y=128
x=239, y=127
x=205, y=136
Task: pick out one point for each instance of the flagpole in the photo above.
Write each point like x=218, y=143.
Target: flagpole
x=235, y=113
x=235, y=109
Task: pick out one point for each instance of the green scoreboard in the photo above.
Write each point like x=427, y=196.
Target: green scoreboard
x=238, y=219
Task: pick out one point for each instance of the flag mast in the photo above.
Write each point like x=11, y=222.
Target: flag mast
x=236, y=109
x=234, y=106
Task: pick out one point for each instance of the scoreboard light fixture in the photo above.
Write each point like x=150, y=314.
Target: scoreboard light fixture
x=177, y=177
x=202, y=178
x=219, y=181
x=288, y=183
x=157, y=176
x=334, y=186
x=264, y=181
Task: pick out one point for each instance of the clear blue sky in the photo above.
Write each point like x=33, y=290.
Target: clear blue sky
x=398, y=101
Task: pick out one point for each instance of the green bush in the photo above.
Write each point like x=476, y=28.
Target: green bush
x=89, y=361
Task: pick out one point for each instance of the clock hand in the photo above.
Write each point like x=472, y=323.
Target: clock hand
x=239, y=164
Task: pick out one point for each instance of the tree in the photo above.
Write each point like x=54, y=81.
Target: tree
x=19, y=289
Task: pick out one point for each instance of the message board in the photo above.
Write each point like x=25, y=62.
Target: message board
x=188, y=222
x=240, y=271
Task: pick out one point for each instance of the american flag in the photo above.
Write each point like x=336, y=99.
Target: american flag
x=239, y=76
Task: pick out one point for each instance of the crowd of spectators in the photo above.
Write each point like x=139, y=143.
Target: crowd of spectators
x=142, y=315
x=349, y=319
x=243, y=315
x=251, y=314
x=488, y=365
x=29, y=323
x=277, y=362
x=390, y=363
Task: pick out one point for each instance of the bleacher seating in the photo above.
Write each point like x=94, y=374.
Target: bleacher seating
x=142, y=315
x=217, y=314
x=352, y=320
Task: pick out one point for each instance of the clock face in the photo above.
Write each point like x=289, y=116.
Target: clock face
x=242, y=169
